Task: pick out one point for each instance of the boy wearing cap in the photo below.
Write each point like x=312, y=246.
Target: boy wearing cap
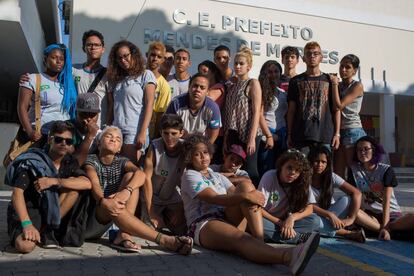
x=231, y=168
x=86, y=124
x=163, y=169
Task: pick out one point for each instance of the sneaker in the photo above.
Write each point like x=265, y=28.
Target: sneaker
x=303, y=237
x=302, y=253
x=48, y=240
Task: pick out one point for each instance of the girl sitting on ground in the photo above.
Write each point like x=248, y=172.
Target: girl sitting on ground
x=288, y=213
x=218, y=213
x=115, y=189
x=381, y=212
x=334, y=215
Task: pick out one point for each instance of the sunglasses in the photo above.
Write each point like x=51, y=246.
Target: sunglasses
x=59, y=140
x=295, y=151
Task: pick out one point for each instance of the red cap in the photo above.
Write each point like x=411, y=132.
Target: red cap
x=238, y=150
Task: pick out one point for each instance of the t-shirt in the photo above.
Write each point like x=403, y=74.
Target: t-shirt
x=239, y=172
x=337, y=182
x=162, y=95
x=178, y=87
x=83, y=80
x=284, y=82
x=207, y=117
x=313, y=119
x=129, y=102
x=51, y=95
x=166, y=177
x=192, y=183
x=372, y=184
x=110, y=176
x=276, y=199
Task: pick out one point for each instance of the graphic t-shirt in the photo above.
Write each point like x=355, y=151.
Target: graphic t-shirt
x=372, y=184
x=276, y=199
x=207, y=117
x=193, y=183
x=313, y=119
x=178, y=87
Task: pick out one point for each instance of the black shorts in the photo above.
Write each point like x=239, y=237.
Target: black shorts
x=94, y=229
x=14, y=227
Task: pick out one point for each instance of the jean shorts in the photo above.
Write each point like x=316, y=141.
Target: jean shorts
x=349, y=136
x=129, y=139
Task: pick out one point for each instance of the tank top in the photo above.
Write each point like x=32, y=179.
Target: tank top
x=350, y=114
x=238, y=111
x=166, y=177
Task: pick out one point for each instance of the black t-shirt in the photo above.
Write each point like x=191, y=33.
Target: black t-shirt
x=69, y=167
x=313, y=121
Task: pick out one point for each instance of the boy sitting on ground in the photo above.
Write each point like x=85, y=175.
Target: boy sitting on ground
x=163, y=169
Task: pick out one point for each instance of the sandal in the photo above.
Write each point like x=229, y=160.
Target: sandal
x=123, y=246
x=184, y=248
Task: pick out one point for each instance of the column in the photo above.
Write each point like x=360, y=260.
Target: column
x=387, y=122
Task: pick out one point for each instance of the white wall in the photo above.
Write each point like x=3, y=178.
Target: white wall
x=375, y=45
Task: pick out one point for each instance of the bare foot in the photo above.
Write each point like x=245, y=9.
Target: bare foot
x=183, y=245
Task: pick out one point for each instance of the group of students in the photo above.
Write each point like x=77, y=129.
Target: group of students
x=218, y=158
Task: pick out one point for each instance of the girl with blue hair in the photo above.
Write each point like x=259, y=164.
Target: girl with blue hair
x=57, y=93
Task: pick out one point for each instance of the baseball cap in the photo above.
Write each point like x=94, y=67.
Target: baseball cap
x=88, y=102
x=238, y=150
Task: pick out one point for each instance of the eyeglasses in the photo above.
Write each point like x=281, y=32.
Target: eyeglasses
x=312, y=54
x=295, y=151
x=59, y=140
x=123, y=57
x=366, y=149
x=93, y=45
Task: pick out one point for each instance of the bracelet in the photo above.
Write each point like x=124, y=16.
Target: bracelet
x=269, y=136
x=337, y=134
x=129, y=189
x=26, y=223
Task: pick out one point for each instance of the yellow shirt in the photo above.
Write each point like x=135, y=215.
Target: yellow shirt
x=162, y=95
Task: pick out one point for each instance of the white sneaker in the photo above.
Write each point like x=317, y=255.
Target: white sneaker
x=302, y=253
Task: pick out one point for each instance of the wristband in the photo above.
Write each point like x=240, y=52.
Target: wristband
x=337, y=134
x=269, y=136
x=26, y=223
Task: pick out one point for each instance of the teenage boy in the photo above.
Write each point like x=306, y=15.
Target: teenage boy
x=222, y=60
x=199, y=113
x=90, y=76
x=163, y=169
x=167, y=66
x=233, y=161
x=290, y=58
x=86, y=124
x=180, y=80
x=312, y=117
x=45, y=186
x=155, y=57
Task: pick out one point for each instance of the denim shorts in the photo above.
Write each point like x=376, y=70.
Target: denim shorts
x=129, y=139
x=349, y=136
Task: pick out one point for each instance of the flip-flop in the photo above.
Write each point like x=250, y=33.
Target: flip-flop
x=121, y=246
x=183, y=244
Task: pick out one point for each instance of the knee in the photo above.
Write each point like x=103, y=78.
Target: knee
x=245, y=186
x=127, y=177
x=24, y=246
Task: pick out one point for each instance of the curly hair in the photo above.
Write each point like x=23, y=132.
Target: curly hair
x=298, y=192
x=268, y=85
x=190, y=144
x=115, y=72
x=326, y=186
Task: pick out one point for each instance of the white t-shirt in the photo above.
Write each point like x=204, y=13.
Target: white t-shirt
x=276, y=199
x=337, y=182
x=178, y=87
x=51, y=95
x=84, y=79
x=192, y=183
